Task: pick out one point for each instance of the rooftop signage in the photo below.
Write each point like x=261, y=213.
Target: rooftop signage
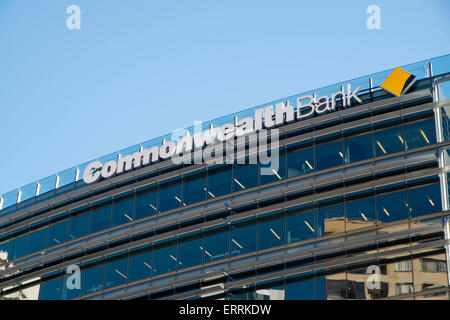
x=264, y=118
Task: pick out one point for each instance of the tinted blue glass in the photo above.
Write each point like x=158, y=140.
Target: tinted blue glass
x=243, y=237
x=194, y=188
x=190, y=250
x=275, y=170
x=392, y=206
x=358, y=148
x=329, y=155
x=360, y=213
x=244, y=176
x=92, y=277
x=116, y=270
x=38, y=240
x=170, y=196
x=58, y=233
x=146, y=202
x=300, y=162
x=299, y=223
x=18, y=247
x=330, y=220
x=424, y=200
x=321, y=289
x=271, y=230
x=216, y=244
x=67, y=292
x=219, y=182
x=300, y=289
x=79, y=224
x=100, y=216
x=164, y=257
x=123, y=209
x=389, y=141
x=49, y=290
x=140, y=265
x=419, y=134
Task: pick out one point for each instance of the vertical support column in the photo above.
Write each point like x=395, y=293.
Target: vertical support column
x=443, y=175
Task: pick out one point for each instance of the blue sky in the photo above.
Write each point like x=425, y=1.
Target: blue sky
x=139, y=69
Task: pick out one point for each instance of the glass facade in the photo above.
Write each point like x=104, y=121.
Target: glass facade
x=361, y=193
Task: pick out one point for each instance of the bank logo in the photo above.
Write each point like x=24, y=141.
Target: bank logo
x=398, y=82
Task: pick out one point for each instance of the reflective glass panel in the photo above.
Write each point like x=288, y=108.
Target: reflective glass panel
x=300, y=162
x=58, y=233
x=216, y=242
x=18, y=247
x=358, y=148
x=79, y=223
x=146, y=202
x=123, y=209
x=271, y=230
x=360, y=213
x=92, y=277
x=389, y=141
x=329, y=155
x=419, y=134
x=170, y=196
x=190, y=250
x=330, y=220
x=299, y=223
x=244, y=176
x=49, y=290
x=194, y=188
x=164, y=257
x=38, y=240
x=392, y=206
x=243, y=237
x=100, y=216
x=219, y=181
x=275, y=170
x=302, y=289
x=116, y=270
x=140, y=263
x=424, y=200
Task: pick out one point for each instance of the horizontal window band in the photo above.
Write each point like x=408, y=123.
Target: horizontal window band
x=90, y=240
x=144, y=225
x=155, y=167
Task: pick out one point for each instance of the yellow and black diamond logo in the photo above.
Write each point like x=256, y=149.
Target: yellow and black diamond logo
x=398, y=82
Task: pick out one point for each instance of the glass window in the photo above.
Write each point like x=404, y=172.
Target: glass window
x=300, y=223
x=419, y=134
x=49, y=290
x=123, y=208
x=300, y=162
x=300, y=289
x=146, y=202
x=389, y=141
x=271, y=229
x=360, y=213
x=243, y=237
x=190, y=250
x=194, y=188
x=392, y=206
x=330, y=220
x=140, y=263
x=58, y=233
x=244, y=176
x=216, y=244
x=329, y=155
x=275, y=170
x=38, y=240
x=79, y=223
x=165, y=257
x=116, y=270
x=170, y=195
x=219, y=181
x=100, y=216
x=424, y=200
x=18, y=247
x=358, y=148
x=92, y=277
x=67, y=292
